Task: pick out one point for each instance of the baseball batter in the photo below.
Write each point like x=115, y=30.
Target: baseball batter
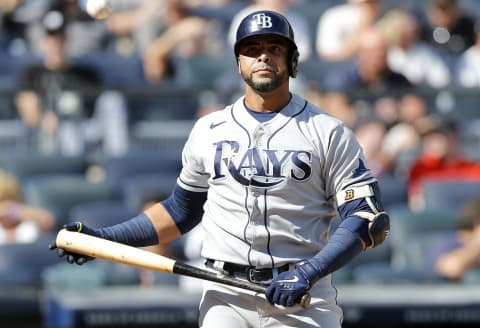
x=264, y=177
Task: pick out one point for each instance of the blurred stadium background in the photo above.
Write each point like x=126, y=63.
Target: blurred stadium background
x=111, y=177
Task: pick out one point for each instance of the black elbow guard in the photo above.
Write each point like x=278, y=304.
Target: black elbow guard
x=379, y=228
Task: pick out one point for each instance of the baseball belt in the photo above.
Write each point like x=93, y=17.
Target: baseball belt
x=250, y=273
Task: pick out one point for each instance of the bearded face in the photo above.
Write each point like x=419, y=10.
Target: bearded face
x=262, y=62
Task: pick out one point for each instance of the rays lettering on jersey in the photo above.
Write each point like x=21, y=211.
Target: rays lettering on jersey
x=264, y=168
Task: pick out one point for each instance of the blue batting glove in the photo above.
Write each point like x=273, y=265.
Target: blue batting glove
x=288, y=287
x=74, y=257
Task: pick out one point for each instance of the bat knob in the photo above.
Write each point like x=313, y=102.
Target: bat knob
x=305, y=300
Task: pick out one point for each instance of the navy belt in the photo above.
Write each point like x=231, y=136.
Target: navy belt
x=250, y=273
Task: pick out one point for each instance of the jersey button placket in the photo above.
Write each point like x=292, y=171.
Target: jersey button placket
x=254, y=225
x=256, y=215
x=258, y=136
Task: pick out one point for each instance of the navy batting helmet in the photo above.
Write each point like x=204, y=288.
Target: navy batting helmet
x=268, y=22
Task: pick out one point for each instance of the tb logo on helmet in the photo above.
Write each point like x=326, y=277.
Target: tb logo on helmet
x=263, y=20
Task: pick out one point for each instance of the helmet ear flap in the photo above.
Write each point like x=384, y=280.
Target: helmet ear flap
x=293, y=65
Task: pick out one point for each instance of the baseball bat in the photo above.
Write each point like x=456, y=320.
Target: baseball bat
x=111, y=251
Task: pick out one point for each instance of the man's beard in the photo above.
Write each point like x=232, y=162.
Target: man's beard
x=266, y=86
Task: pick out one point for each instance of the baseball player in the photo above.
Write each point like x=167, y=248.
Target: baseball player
x=264, y=176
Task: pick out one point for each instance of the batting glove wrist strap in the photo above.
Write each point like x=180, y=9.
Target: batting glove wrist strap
x=308, y=271
x=80, y=227
x=288, y=287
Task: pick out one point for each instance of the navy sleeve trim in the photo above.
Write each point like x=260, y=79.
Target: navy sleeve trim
x=185, y=207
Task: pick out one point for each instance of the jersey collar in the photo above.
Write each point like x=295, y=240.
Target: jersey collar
x=244, y=118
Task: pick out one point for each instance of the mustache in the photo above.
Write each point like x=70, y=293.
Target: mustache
x=264, y=67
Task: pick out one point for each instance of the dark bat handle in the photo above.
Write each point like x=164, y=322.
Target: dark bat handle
x=191, y=271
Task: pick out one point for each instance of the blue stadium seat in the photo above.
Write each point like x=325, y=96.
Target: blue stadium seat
x=33, y=164
x=314, y=69
x=139, y=189
x=13, y=138
x=409, y=243
x=167, y=106
x=95, y=274
x=98, y=214
x=470, y=130
x=394, y=190
x=408, y=226
x=472, y=276
x=160, y=136
x=115, y=70
x=139, y=163
x=381, y=273
x=417, y=250
x=448, y=196
x=202, y=71
x=59, y=193
x=11, y=66
x=22, y=264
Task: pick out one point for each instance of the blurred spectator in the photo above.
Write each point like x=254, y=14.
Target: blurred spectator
x=17, y=28
x=370, y=135
x=43, y=95
x=207, y=3
x=403, y=138
x=468, y=67
x=218, y=9
x=12, y=30
x=339, y=27
x=20, y=222
x=456, y=253
x=364, y=80
x=440, y=158
x=184, y=36
x=419, y=62
x=55, y=98
x=84, y=34
x=301, y=29
x=108, y=126
x=368, y=70
x=385, y=109
x=135, y=24
x=445, y=26
x=336, y=104
x=411, y=108
x=209, y=101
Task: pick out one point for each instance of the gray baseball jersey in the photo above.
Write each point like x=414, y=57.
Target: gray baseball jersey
x=271, y=186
